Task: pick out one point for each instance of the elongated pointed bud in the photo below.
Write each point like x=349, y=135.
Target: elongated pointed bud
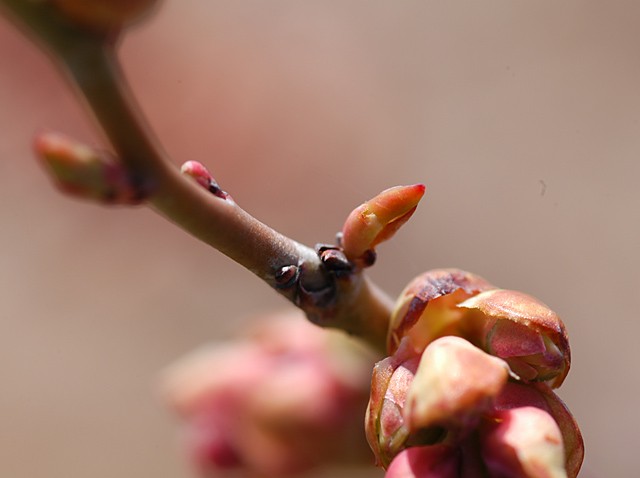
x=454, y=384
x=84, y=172
x=377, y=220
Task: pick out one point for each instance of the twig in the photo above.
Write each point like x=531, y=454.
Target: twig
x=346, y=301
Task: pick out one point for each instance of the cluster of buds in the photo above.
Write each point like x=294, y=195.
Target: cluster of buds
x=286, y=398
x=468, y=387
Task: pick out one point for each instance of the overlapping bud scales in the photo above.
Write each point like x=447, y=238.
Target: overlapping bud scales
x=84, y=172
x=385, y=425
x=428, y=308
x=524, y=332
x=508, y=324
x=453, y=384
x=377, y=220
x=470, y=371
x=288, y=397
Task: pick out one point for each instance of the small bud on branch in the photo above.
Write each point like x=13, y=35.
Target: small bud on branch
x=203, y=177
x=377, y=220
x=84, y=172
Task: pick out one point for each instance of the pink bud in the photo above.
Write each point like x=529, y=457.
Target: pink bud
x=541, y=396
x=454, y=384
x=524, y=332
x=436, y=461
x=384, y=422
x=204, y=178
x=84, y=172
x=524, y=443
x=287, y=398
x=378, y=219
x=471, y=338
x=427, y=308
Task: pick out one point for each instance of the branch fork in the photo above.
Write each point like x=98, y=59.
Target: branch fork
x=327, y=282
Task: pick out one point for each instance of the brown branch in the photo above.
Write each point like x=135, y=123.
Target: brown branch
x=346, y=301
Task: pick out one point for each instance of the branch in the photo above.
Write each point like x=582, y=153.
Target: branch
x=331, y=289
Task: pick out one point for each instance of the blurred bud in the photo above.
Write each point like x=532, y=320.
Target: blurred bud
x=84, y=172
x=287, y=398
x=454, y=384
x=104, y=15
x=523, y=442
x=524, y=332
x=377, y=220
x=427, y=308
x=436, y=461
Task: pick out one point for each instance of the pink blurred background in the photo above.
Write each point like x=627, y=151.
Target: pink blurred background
x=521, y=117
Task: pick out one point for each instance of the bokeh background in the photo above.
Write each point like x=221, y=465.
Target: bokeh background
x=522, y=118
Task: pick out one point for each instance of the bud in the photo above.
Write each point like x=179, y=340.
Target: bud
x=540, y=395
x=377, y=220
x=427, y=308
x=437, y=461
x=104, y=15
x=523, y=442
x=204, y=178
x=511, y=325
x=455, y=383
x=84, y=172
x=510, y=428
x=524, y=332
x=286, y=398
x=385, y=425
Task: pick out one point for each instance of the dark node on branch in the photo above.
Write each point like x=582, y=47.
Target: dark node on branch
x=216, y=190
x=334, y=260
x=317, y=304
x=132, y=189
x=287, y=276
x=204, y=178
x=141, y=188
x=368, y=258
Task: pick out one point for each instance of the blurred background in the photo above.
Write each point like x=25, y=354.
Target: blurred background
x=522, y=119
